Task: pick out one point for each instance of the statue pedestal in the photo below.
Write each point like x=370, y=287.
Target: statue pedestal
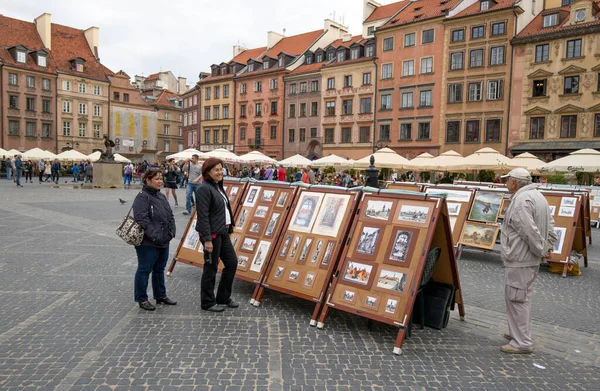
x=108, y=175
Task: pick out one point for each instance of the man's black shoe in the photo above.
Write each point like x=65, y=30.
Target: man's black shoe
x=146, y=305
x=165, y=300
x=216, y=308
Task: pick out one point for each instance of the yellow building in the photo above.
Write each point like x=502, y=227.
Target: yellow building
x=555, y=105
x=169, y=124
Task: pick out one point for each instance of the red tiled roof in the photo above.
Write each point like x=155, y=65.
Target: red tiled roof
x=385, y=11
x=246, y=55
x=262, y=72
x=211, y=79
x=14, y=32
x=417, y=11
x=475, y=8
x=308, y=68
x=69, y=43
x=340, y=42
x=535, y=27
x=362, y=59
x=294, y=45
x=153, y=76
x=163, y=99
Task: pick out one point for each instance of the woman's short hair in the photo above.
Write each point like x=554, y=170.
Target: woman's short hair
x=208, y=165
x=150, y=174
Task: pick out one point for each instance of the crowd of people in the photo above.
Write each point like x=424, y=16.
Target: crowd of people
x=16, y=168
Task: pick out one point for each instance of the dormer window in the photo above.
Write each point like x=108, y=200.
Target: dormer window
x=266, y=64
x=281, y=61
x=484, y=5
x=320, y=57
x=341, y=56
x=330, y=56
x=309, y=59
x=41, y=61
x=251, y=67
x=354, y=54
x=550, y=20
x=78, y=64
x=223, y=71
x=579, y=15
x=21, y=57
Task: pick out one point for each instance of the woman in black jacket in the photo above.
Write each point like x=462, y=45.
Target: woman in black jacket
x=214, y=224
x=151, y=210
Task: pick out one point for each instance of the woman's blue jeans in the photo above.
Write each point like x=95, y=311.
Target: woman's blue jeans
x=150, y=260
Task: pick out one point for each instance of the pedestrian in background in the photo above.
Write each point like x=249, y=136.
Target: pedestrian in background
x=18, y=167
x=171, y=174
x=194, y=174
x=89, y=172
x=527, y=238
x=128, y=175
x=48, y=171
x=214, y=224
x=14, y=168
x=75, y=172
x=28, y=169
x=281, y=174
x=55, y=170
x=41, y=166
x=152, y=211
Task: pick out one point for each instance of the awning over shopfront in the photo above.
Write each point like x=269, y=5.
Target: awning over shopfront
x=554, y=146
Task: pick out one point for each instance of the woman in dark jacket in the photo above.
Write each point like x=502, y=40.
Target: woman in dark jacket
x=151, y=210
x=214, y=224
x=171, y=173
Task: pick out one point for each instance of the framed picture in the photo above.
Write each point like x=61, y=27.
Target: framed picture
x=233, y=192
x=328, y=254
x=314, y=259
x=272, y=224
x=368, y=241
x=305, y=249
x=371, y=302
x=560, y=241
x=349, y=296
x=261, y=255
x=234, y=239
x=278, y=272
x=504, y=207
x=255, y=227
x=242, y=262
x=261, y=211
x=242, y=219
x=306, y=211
x=286, y=244
x=309, y=280
x=566, y=211
x=454, y=208
x=248, y=245
x=486, y=206
x=331, y=214
x=568, y=201
x=391, y=306
x=401, y=246
x=413, y=214
x=281, y=199
x=192, y=238
x=479, y=235
x=358, y=274
x=451, y=194
x=267, y=195
x=295, y=245
x=293, y=276
x=552, y=210
x=379, y=209
x=392, y=281
x=252, y=196
x=452, y=222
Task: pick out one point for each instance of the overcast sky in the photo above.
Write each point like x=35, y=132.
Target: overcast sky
x=185, y=36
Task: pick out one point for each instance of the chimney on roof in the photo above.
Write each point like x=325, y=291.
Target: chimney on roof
x=238, y=49
x=333, y=26
x=346, y=37
x=43, y=25
x=181, y=85
x=91, y=35
x=368, y=7
x=273, y=38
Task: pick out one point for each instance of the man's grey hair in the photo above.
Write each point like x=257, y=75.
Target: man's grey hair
x=522, y=182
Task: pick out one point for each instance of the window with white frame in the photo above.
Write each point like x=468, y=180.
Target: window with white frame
x=185, y=120
x=408, y=68
x=257, y=86
x=21, y=57
x=475, y=91
x=388, y=44
x=66, y=128
x=66, y=106
x=46, y=84
x=497, y=55
x=207, y=113
x=409, y=39
x=12, y=79
x=97, y=112
x=194, y=118
x=30, y=82
x=407, y=100
x=405, y=131
x=82, y=129
x=425, y=98
x=243, y=88
x=82, y=88
x=273, y=84
x=97, y=128
x=41, y=61
x=495, y=89
x=550, y=20
x=455, y=92
x=66, y=85
x=166, y=129
x=167, y=115
x=97, y=90
x=427, y=65
x=386, y=71
x=386, y=102
x=167, y=146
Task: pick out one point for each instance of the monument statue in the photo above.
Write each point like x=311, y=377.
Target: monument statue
x=107, y=156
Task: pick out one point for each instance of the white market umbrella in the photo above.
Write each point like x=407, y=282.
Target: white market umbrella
x=95, y=156
x=333, y=161
x=583, y=160
x=528, y=162
x=295, y=161
x=484, y=159
x=186, y=154
x=71, y=154
x=257, y=157
x=13, y=152
x=384, y=158
x=2, y=152
x=121, y=159
x=223, y=154
x=420, y=162
x=441, y=162
x=38, y=154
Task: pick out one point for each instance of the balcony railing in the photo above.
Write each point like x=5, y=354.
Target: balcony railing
x=256, y=142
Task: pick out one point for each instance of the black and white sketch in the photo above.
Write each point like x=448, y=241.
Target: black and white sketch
x=568, y=201
x=261, y=211
x=272, y=224
x=294, y=275
x=317, y=252
x=401, y=246
x=242, y=219
x=255, y=228
x=453, y=208
x=295, y=246
x=261, y=255
x=248, y=244
x=368, y=241
x=331, y=214
x=413, y=213
x=566, y=211
x=380, y=210
x=371, y=301
x=279, y=272
x=391, y=306
x=327, y=256
x=252, y=196
x=281, y=199
x=552, y=210
x=267, y=195
x=560, y=241
x=233, y=193
x=192, y=238
x=349, y=295
x=242, y=261
x=285, y=246
x=305, y=248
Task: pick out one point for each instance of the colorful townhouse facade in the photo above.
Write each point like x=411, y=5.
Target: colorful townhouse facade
x=169, y=123
x=555, y=105
x=191, y=116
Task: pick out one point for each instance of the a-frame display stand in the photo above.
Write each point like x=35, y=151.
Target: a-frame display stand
x=311, y=243
x=380, y=272
x=569, y=218
x=405, y=186
x=190, y=249
x=458, y=201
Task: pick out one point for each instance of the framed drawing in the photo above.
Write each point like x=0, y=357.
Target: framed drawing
x=281, y=199
x=504, y=207
x=252, y=196
x=233, y=192
x=566, y=211
x=314, y=259
x=568, y=202
x=255, y=227
x=413, y=214
x=454, y=208
x=486, y=206
x=241, y=223
x=248, y=245
x=295, y=245
x=479, y=235
x=552, y=210
x=234, y=239
x=358, y=274
x=379, y=209
x=390, y=281
x=560, y=241
x=309, y=280
x=242, y=262
x=401, y=246
x=305, y=250
x=391, y=306
x=286, y=244
x=369, y=240
x=272, y=224
x=261, y=255
x=331, y=214
x=306, y=211
x=371, y=302
x=328, y=254
x=267, y=195
x=279, y=272
x=261, y=211
x=192, y=238
x=451, y=194
x=294, y=275
x=349, y=296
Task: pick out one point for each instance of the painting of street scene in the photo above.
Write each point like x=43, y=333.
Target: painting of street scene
x=358, y=273
x=413, y=213
x=479, y=235
x=393, y=281
x=379, y=209
x=486, y=206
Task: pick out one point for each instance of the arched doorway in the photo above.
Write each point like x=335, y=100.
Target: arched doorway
x=314, y=150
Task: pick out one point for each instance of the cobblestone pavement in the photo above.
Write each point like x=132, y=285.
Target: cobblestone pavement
x=68, y=320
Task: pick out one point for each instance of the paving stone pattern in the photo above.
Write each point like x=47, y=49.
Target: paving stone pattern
x=68, y=320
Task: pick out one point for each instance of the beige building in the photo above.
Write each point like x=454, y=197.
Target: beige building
x=169, y=124
x=161, y=81
x=555, y=105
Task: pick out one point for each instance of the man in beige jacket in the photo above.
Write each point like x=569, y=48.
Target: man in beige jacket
x=527, y=238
